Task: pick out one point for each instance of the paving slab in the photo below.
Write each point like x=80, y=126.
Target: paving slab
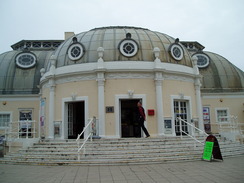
x=228, y=171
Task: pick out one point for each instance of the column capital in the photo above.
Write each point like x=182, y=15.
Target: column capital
x=100, y=82
x=158, y=82
x=197, y=83
x=52, y=84
x=100, y=78
x=158, y=78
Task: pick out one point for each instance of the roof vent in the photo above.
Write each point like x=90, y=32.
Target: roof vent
x=74, y=39
x=128, y=35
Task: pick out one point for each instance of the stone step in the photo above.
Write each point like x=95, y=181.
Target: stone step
x=105, y=161
x=117, y=151
x=110, y=143
x=96, y=154
x=90, y=147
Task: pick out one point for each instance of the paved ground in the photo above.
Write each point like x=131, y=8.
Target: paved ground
x=231, y=170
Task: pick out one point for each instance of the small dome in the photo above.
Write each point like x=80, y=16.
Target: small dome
x=221, y=75
x=120, y=44
x=20, y=71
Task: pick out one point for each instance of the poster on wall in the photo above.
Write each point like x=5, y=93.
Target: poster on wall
x=206, y=119
x=42, y=118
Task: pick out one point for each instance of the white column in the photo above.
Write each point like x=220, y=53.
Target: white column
x=198, y=93
x=52, y=98
x=101, y=100
x=101, y=110
x=159, y=101
x=51, y=111
x=199, y=103
x=159, y=92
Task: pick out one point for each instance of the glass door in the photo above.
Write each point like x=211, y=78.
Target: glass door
x=70, y=118
x=181, y=110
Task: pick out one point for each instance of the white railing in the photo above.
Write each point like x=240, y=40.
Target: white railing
x=90, y=127
x=231, y=129
x=193, y=131
x=20, y=129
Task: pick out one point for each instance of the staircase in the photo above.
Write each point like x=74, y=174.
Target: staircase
x=117, y=151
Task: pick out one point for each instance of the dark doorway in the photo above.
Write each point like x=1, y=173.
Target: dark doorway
x=76, y=119
x=129, y=125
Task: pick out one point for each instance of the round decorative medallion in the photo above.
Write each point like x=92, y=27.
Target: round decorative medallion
x=128, y=48
x=75, y=51
x=25, y=60
x=202, y=61
x=176, y=52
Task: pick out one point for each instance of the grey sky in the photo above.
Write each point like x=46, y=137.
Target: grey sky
x=216, y=24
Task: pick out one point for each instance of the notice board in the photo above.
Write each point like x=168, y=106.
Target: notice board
x=208, y=151
x=211, y=149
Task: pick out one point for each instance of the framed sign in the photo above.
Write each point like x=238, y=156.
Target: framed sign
x=208, y=150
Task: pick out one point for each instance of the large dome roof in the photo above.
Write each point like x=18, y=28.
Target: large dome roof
x=17, y=80
x=221, y=76
x=110, y=38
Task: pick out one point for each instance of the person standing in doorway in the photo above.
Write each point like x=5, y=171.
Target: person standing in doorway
x=141, y=117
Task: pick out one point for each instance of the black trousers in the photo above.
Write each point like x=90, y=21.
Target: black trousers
x=141, y=123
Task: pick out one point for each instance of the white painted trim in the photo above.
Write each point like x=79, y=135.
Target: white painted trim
x=65, y=101
x=118, y=113
x=11, y=118
x=184, y=98
x=128, y=66
x=218, y=96
x=19, y=98
x=216, y=114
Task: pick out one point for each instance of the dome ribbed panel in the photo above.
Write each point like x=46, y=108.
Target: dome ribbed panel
x=110, y=37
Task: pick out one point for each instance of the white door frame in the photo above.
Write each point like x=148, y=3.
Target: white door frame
x=118, y=109
x=65, y=102
x=183, y=98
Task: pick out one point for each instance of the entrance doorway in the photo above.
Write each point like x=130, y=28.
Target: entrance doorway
x=129, y=125
x=76, y=119
x=181, y=110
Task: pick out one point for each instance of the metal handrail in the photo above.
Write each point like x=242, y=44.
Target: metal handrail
x=84, y=129
x=15, y=127
x=89, y=126
x=193, y=127
x=232, y=126
x=14, y=131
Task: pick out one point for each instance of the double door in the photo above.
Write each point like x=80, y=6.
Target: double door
x=76, y=119
x=181, y=110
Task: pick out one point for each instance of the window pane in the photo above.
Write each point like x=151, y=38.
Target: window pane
x=222, y=116
x=25, y=115
x=4, y=120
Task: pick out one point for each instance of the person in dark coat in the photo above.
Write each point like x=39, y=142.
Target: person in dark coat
x=141, y=117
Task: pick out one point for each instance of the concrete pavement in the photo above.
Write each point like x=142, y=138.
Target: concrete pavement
x=231, y=170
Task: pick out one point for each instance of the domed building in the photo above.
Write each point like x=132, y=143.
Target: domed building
x=104, y=72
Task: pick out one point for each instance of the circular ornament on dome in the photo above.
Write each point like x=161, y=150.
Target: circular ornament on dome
x=75, y=51
x=25, y=60
x=176, y=51
x=202, y=61
x=128, y=48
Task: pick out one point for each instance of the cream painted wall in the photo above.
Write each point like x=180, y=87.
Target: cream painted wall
x=45, y=94
x=14, y=106
x=82, y=88
x=139, y=86
x=120, y=87
x=234, y=104
x=174, y=87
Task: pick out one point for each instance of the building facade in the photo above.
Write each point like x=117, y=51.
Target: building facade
x=104, y=72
